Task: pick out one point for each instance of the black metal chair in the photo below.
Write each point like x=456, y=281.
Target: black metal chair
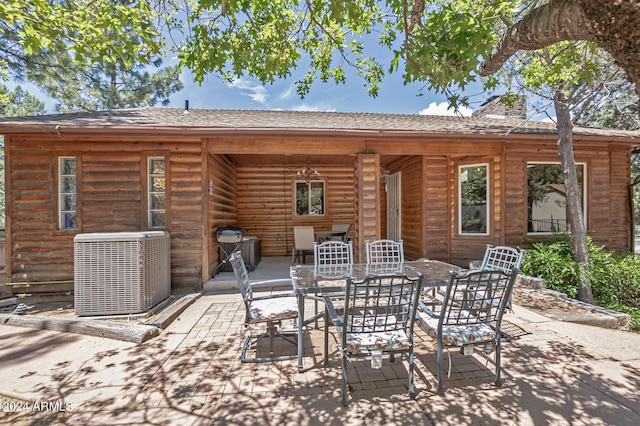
x=377, y=319
x=270, y=309
x=470, y=314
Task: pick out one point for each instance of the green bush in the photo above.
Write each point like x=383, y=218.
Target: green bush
x=615, y=278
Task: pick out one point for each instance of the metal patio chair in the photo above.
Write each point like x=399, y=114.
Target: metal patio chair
x=377, y=319
x=501, y=258
x=271, y=310
x=332, y=260
x=303, y=240
x=385, y=251
x=470, y=314
x=341, y=227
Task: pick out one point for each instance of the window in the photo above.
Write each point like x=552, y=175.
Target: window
x=546, y=198
x=309, y=198
x=156, y=188
x=474, y=205
x=67, y=192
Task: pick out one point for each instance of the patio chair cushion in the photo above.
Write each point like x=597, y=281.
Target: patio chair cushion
x=456, y=335
x=372, y=336
x=273, y=309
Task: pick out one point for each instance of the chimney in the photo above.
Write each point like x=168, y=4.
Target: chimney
x=494, y=108
x=186, y=107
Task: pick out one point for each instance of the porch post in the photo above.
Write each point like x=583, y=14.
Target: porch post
x=367, y=202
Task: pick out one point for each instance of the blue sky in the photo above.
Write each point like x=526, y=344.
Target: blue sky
x=247, y=93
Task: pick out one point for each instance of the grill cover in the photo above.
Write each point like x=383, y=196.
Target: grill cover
x=229, y=234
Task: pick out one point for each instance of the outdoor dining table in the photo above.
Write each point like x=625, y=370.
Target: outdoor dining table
x=321, y=236
x=316, y=281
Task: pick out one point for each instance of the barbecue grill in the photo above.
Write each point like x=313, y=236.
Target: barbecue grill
x=229, y=241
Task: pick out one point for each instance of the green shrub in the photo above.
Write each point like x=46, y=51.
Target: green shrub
x=615, y=278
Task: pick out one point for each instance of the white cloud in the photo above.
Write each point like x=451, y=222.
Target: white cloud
x=318, y=107
x=289, y=93
x=443, y=109
x=254, y=91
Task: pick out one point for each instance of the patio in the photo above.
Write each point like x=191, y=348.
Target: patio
x=560, y=373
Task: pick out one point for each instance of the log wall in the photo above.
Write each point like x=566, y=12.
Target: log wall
x=208, y=189
x=265, y=203
x=111, y=194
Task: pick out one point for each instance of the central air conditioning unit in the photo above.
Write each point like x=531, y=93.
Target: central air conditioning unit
x=120, y=272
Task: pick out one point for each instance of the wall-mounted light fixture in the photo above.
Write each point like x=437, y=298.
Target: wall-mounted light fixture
x=385, y=179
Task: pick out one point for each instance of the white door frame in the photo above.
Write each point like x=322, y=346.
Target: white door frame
x=394, y=206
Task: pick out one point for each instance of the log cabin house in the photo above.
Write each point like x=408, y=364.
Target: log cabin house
x=446, y=186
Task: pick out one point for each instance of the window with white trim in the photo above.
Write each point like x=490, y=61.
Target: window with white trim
x=309, y=198
x=67, y=193
x=547, y=199
x=156, y=192
x=473, y=199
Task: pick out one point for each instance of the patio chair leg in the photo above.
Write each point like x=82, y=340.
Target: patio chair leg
x=344, y=380
x=326, y=336
x=251, y=343
x=498, y=349
x=412, y=389
x=439, y=356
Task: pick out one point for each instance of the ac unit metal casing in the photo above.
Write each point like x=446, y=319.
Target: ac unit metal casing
x=120, y=272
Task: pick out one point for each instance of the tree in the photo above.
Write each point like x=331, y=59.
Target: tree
x=95, y=86
x=12, y=104
x=613, y=25
x=85, y=28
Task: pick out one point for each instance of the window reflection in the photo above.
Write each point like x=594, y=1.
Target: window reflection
x=309, y=198
x=473, y=199
x=547, y=199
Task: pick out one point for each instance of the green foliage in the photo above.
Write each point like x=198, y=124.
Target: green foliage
x=96, y=32
x=615, y=278
x=439, y=42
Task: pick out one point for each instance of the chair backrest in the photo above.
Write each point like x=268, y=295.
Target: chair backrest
x=381, y=303
x=333, y=259
x=501, y=258
x=303, y=237
x=385, y=251
x=333, y=253
x=342, y=227
x=477, y=297
x=242, y=276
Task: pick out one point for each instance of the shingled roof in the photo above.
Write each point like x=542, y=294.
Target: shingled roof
x=216, y=120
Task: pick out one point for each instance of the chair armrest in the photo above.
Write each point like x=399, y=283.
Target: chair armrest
x=333, y=314
x=271, y=283
x=272, y=296
x=425, y=309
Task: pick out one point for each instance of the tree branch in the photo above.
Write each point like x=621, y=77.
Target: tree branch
x=555, y=21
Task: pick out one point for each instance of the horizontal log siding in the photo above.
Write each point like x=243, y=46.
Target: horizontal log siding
x=222, y=205
x=110, y=188
x=265, y=203
x=515, y=201
x=367, y=202
x=111, y=198
x=412, y=229
x=436, y=208
x=185, y=216
x=620, y=235
x=607, y=198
